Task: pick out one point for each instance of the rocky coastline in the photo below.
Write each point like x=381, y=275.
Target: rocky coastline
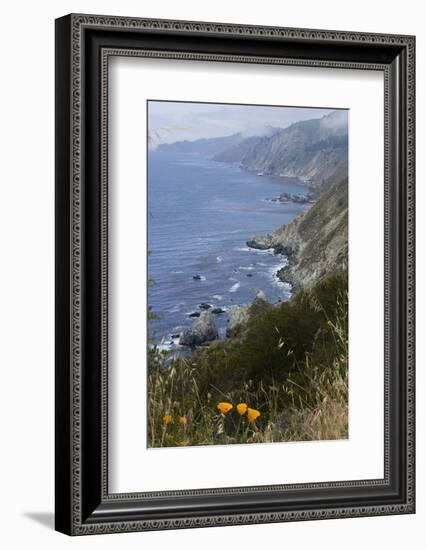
x=293, y=197
x=312, y=245
x=315, y=243
x=288, y=249
x=203, y=331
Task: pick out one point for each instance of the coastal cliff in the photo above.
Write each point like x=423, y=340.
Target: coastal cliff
x=315, y=151
x=315, y=243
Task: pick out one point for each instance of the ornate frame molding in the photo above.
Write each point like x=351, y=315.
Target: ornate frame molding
x=72, y=45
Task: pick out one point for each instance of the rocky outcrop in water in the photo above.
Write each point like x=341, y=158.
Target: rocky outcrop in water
x=291, y=197
x=202, y=330
x=260, y=242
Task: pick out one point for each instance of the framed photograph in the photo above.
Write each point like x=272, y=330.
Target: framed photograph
x=234, y=274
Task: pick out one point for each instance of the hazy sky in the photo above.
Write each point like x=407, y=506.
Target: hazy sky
x=170, y=121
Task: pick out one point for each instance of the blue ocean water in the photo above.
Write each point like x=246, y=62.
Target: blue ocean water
x=200, y=215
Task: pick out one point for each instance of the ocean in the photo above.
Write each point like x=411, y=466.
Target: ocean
x=200, y=215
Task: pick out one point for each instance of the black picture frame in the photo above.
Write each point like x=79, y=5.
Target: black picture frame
x=83, y=45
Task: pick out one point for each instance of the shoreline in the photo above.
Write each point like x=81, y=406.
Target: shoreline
x=289, y=253
x=169, y=339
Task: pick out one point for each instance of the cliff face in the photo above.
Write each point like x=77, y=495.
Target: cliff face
x=315, y=243
x=238, y=151
x=313, y=150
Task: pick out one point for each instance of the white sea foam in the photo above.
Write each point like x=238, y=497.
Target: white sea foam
x=166, y=345
x=246, y=268
x=217, y=297
x=235, y=287
x=268, y=251
x=272, y=273
x=177, y=307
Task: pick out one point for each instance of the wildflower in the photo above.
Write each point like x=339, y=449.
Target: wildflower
x=167, y=419
x=224, y=407
x=242, y=408
x=182, y=420
x=252, y=414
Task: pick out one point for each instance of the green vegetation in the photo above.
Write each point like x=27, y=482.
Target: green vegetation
x=289, y=364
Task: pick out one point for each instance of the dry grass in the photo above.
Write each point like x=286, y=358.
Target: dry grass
x=312, y=403
x=328, y=421
x=179, y=415
x=322, y=411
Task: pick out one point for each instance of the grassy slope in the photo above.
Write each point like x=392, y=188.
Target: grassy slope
x=290, y=365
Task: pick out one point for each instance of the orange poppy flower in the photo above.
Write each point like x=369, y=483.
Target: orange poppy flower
x=224, y=407
x=167, y=419
x=242, y=408
x=252, y=414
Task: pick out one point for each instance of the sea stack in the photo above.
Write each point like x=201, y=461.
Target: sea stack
x=202, y=330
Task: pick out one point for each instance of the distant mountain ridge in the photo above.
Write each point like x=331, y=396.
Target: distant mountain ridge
x=205, y=146
x=223, y=149
x=315, y=150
